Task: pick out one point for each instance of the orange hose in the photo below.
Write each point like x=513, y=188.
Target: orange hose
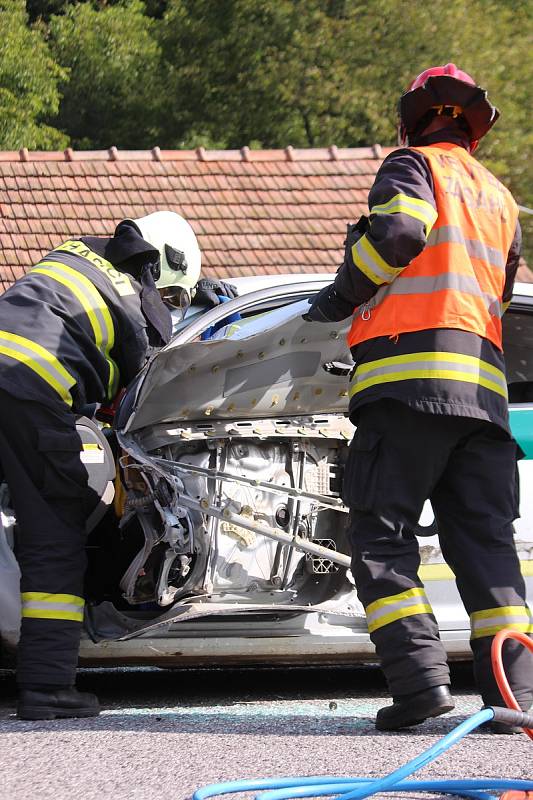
x=499, y=672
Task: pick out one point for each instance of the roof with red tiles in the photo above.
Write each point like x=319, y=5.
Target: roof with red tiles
x=254, y=211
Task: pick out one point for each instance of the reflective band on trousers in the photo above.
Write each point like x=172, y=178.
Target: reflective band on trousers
x=491, y=620
x=398, y=606
x=428, y=284
x=412, y=206
x=41, y=605
x=474, y=248
x=94, y=306
x=441, y=365
x=40, y=360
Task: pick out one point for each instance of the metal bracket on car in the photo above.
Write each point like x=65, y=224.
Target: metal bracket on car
x=324, y=500
x=244, y=521
x=336, y=428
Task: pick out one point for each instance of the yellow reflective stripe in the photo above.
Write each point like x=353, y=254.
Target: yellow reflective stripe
x=90, y=300
x=394, y=616
x=43, y=605
x=41, y=361
x=492, y=630
x=43, y=597
x=39, y=370
x=432, y=365
x=412, y=206
x=432, y=355
x=81, y=249
x=383, y=602
x=367, y=259
x=395, y=607
x=119, y=280
x=442, y=374
x=499, y=611
x=505, y=306
x=87, y=307
x=489, y=621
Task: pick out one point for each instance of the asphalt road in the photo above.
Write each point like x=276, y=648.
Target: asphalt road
x=163, y=734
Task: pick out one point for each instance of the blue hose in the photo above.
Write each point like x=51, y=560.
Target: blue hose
x=359, y=788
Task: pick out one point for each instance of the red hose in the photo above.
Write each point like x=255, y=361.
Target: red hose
x=499, y=672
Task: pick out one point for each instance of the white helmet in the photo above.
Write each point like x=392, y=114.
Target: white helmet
x=172, y=235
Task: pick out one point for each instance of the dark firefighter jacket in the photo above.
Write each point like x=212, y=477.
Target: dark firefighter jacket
x=79, y=325
x=398, y=238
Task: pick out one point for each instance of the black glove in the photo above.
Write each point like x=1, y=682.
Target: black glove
x=354, y=231
x=329, y=306
x=207, y=291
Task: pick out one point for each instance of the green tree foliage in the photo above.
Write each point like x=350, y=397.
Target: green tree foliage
x=505, y=69
x=29, y=79
x=264, y=73
x=318, y=72
x=114, y=89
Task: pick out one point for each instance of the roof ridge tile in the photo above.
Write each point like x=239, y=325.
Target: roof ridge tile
x=244, y=154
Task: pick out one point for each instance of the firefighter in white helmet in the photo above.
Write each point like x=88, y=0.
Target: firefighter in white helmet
x=73, y=331
x=179, y=280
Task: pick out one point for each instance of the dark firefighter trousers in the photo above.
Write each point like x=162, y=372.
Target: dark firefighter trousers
x=398, y=458
x=40, y=460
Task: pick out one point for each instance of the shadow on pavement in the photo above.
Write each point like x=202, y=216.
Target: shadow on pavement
x=310, y=702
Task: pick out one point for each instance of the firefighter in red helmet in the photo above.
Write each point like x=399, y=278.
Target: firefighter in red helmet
x=450, y=93
x=427, y=278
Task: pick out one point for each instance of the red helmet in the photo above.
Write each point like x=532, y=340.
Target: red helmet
x=446, y=91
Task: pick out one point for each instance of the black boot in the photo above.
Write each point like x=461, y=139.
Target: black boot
x=56, y=703
x=412, y=709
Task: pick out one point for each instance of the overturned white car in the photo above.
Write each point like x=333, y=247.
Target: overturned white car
x=226, y=540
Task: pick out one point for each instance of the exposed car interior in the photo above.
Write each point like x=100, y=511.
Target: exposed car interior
x=211, y=503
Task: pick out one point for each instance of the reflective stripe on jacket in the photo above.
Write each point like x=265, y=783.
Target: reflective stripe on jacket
x=441, y=365
x=94, y=306
x=458, y=279
x=438, y=371
x=72, y=328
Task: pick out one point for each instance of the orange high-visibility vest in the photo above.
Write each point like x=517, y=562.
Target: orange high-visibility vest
x=457, y=281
